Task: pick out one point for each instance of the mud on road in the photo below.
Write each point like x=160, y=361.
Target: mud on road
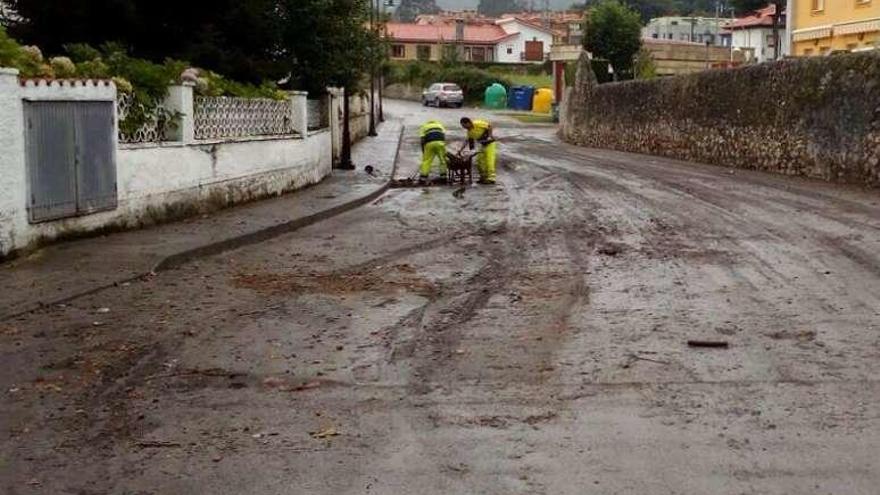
x=527, y=338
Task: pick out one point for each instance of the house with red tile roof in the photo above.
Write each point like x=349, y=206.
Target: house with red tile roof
x=754, y=33
x=503, y=41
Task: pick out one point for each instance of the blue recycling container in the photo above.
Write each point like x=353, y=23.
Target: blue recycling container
x=520, y=97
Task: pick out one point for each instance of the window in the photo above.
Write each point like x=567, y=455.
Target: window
x=771, y=41
x=478, y=54
x=852, y=46
x=510, y=49
x=423, y=52
x=655, y=35
x=674, y=23
x=398, y=51
x=808, y=52
x=817, y=5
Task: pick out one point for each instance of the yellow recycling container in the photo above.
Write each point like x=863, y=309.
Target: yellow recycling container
x=543, y=101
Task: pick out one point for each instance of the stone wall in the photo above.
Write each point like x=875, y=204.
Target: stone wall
x=816, y=117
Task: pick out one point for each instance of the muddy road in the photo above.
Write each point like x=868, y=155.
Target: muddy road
x=530, y=338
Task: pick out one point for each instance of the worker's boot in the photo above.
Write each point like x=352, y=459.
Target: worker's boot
x=423, y=180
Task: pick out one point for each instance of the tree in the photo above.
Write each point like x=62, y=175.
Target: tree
x=613, y=31
x=744, y=6
x=235, y=37
x=410, y=9
x=338, y=50
x=494, y=8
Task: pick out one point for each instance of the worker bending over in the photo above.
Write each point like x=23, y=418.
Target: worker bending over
x=433, y=136
x=480, y=131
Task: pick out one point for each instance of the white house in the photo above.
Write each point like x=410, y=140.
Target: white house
x=754, y=33
x=527, y=42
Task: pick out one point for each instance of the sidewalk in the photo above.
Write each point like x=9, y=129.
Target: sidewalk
x=70, y=269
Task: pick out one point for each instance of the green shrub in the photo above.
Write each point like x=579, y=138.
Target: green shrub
x=82, y=52
x=63, y=67
x=473, y=80
x=10, y=51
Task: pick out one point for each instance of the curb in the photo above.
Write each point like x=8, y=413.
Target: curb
x=176, y=260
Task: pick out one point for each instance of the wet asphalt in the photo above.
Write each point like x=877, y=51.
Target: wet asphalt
x=527, y=338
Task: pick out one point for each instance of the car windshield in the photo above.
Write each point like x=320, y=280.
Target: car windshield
x=451, y=87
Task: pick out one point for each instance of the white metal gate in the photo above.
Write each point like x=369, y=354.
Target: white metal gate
x=71, y=159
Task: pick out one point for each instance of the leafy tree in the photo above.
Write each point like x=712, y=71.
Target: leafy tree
x=338, y=50
x=744, y=6
x=497, y=7
x=410, y=9
x=613, y=31
x=235, y=37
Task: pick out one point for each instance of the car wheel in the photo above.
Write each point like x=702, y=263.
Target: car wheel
x=437, y=103
x=425, y=101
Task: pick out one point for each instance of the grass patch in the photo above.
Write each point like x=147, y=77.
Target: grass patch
x=538, y=81
x=530, y=118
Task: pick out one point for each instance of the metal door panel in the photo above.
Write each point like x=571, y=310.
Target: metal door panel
x=95, y=157
x=50, y=137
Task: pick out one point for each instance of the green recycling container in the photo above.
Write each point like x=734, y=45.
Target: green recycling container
x=496, y=97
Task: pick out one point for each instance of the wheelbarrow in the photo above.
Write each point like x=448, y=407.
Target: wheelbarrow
x=461, y=167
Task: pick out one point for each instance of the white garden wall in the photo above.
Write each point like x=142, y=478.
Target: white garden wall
x=155, y=181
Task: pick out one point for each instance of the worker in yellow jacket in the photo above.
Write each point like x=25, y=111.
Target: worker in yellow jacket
x=433, y=137
x=480, y=131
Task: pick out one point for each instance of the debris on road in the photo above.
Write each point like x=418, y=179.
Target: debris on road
x=610, y=249
x=718, y=344
x=632, y=358
x=325, y=433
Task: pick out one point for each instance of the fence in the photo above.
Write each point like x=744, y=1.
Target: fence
x=222, y=117
x=70, y=166
x=139, y=123
x=214, y=118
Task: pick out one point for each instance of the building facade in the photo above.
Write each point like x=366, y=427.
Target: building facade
x=508, y=40
x=690, y=29
x=673, y=58
x=753, y=34
x=820, y=27
x=530, y=43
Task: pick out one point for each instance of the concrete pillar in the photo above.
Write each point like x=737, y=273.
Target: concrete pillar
x=299, y=110
x=180, y=100
x=13, y=172
x=335, y=110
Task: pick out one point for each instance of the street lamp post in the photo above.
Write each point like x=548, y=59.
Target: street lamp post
x=380, y=7
x=372, y=132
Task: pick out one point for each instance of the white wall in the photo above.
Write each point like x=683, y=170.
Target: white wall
x=13, y=186
x=517, y=43
x=756, y=38
x=155, y=179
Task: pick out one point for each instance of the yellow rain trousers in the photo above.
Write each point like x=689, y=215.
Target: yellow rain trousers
x=434, y=149
x=486, y=162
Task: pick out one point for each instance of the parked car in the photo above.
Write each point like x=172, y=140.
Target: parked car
x=443, y=94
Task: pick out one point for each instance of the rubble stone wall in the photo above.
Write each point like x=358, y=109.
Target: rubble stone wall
x=812, y=117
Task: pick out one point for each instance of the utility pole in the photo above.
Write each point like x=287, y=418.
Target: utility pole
x=382, y=36
x=372, y=132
